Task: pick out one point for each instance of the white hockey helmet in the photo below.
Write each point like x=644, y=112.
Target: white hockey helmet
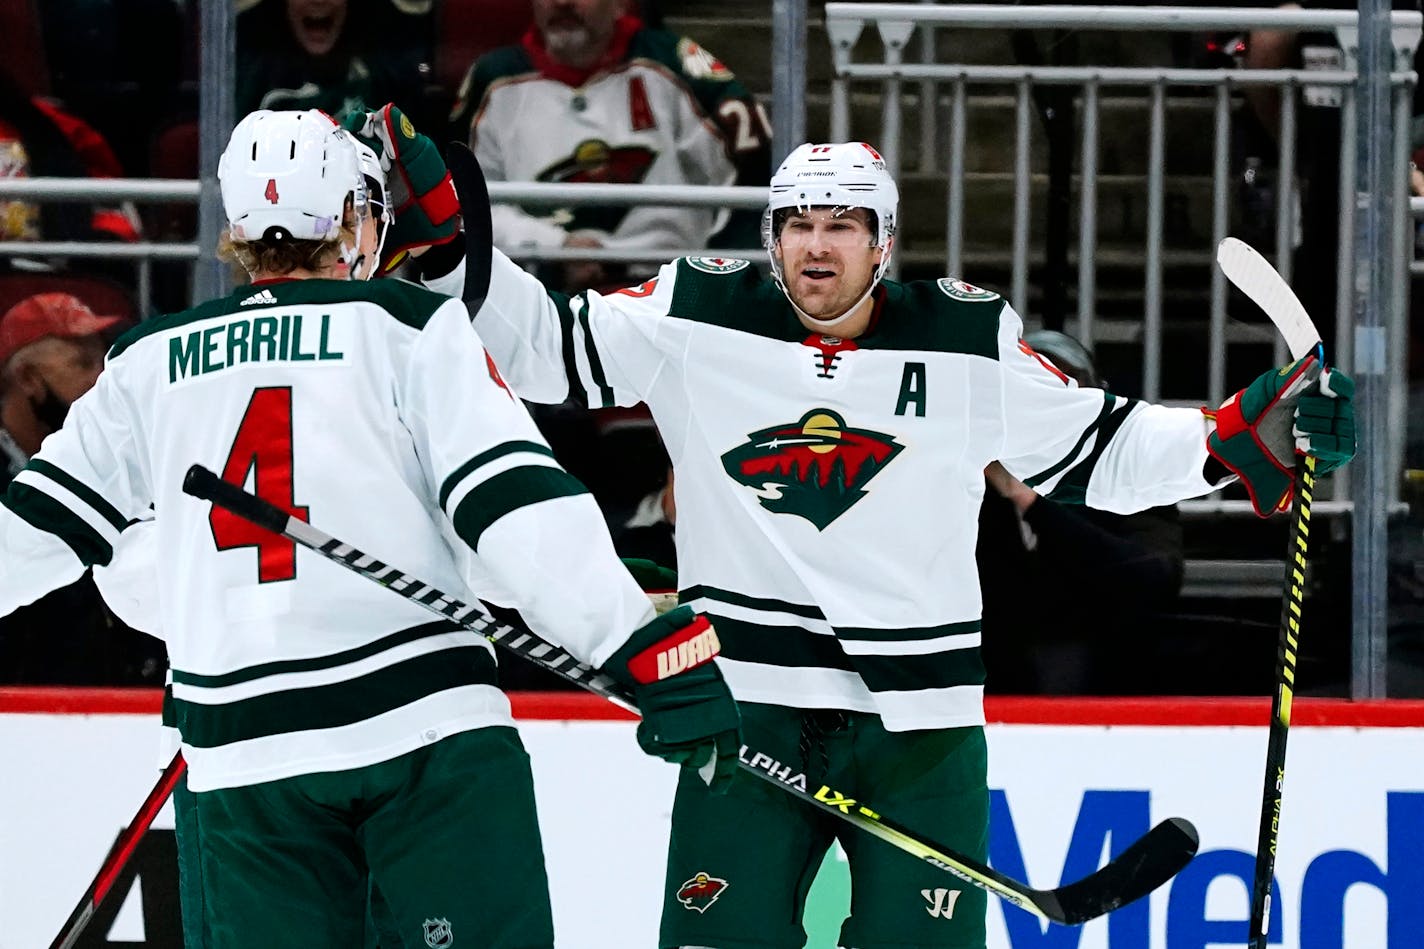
x=289, y=174
x=838, y=176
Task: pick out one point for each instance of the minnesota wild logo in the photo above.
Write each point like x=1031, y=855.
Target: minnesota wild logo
x=816, y=468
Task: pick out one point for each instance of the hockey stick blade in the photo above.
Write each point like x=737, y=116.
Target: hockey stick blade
x=1254, y=276
x=1150, y=861
x=119, y=855
x=469, y=181
x=1141, y=868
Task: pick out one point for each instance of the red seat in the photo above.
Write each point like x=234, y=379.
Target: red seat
x=24, y=59
x=104, y=296
x=173, y=154
x=466, y=28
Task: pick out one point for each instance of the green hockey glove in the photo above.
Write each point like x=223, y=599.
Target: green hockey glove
x=422, y=197
x=659, y=583
x=1297, y=408
x=689, y=716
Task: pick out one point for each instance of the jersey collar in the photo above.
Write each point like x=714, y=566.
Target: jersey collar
x=623, y=31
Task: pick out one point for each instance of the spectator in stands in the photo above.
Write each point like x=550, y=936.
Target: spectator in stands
x=1097, y=577
x=333, y=55
x=591, y=94
x=51, y=352
x=40, y=139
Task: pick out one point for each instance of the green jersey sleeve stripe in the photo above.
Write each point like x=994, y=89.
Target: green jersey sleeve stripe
x=577, y=392
x=699, y=591
x=331, y=661
x=337, y=704
x=939, y=670
x=778, y=645
x=1073, y=489
x=483, y=458
x=85, y=493
x=43, y=512
x=508, y=491
x=1067, y=459
x=595, y=365
x=906, y=634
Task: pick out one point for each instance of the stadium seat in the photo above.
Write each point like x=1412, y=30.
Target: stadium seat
x=103, y=295
x=466, y=28
x=24, y=60
x=173, y=154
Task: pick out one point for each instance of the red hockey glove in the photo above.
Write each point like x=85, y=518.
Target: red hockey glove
x=689, y=716
x=1295, y=408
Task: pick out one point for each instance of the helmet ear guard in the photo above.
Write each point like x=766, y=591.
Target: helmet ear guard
x=373, y=179
x=838, y=176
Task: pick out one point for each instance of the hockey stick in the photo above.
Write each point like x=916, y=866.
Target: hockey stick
x=1148, y=863
x=119, y=855
x=470, y=186
x=1254, y=276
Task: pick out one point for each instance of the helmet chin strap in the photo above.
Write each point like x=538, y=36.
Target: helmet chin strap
x=831, y=324
x=776, y=273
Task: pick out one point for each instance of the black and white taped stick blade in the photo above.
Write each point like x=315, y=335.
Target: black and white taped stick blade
x=1254, y=276
x=469, y=181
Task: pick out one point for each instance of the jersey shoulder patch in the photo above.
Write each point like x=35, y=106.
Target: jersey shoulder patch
x=700, y=64
x=717, y=265
x=957, y=289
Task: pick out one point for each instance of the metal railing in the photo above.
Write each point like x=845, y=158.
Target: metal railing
x=181, y=191
x=943, y=99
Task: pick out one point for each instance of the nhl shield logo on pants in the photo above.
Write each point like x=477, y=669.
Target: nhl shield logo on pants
x=438, y=934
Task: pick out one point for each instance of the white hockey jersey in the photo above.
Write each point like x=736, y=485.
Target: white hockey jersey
x=660, y=110
x=828, y=490
x=371, y=410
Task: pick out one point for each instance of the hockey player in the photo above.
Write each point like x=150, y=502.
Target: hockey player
x=330, y=729
x=829, y=432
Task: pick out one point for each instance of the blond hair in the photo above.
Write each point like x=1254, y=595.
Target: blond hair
x=280, y=257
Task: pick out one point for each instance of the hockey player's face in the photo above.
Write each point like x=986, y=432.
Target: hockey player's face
x=828, y=259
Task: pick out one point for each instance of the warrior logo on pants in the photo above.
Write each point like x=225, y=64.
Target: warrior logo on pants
x=700, y=892
x=438, y=934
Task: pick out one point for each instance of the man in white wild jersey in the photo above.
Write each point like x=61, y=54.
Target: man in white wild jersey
x=829, y=430
x=332, y=732
x=592, y=94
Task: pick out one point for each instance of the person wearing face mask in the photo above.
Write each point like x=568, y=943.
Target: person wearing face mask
x=51, y=353
x=829, y=430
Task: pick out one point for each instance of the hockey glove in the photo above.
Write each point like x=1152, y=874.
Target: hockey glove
x=1295, y=408
x=689, y=716
x=422, y=197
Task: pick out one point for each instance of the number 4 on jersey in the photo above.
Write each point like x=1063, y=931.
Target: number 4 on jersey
x=263, y=446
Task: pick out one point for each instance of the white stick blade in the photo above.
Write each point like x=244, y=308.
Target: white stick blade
x=1254, y=276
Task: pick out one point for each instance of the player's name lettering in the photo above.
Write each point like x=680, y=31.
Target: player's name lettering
x=280, y=338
